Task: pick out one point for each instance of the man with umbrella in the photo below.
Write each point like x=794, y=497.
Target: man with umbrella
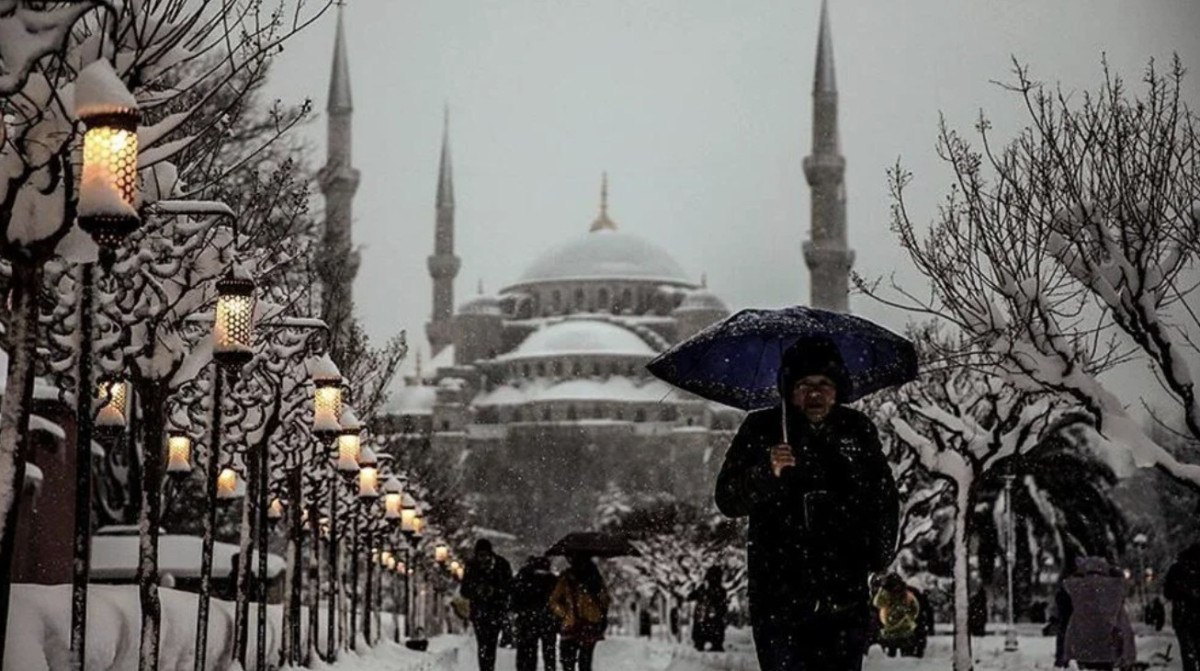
x=808, y=471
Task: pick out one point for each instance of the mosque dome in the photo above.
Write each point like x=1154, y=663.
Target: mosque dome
x=581, y=336
x=702, y=300
x=605, y=254
x=481, y=305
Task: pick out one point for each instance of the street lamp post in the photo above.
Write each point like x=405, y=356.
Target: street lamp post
x=1139, y=543
x=1010, y=635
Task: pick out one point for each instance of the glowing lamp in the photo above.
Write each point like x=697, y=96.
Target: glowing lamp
x=401, y=568
x=408, y=520
x=347, y=460
x=368, y=483
x=179, y=454
x=108, y=185
x=418, y=525
x=233, y=328
x=113, y=416
x=441, y=553
x=227, y=485
x=390, y=562
x=327, y=398
x=275, y=511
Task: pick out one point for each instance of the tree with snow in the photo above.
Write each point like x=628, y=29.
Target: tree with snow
x=1073, y=248
x=962, y=423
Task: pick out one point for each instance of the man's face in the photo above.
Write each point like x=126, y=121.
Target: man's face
x=815, y=395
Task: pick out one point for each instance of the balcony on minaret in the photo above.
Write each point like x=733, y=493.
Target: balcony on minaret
x=443, y=265
x=820, y=169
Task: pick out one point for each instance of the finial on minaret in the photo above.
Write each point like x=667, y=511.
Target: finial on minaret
x=339, y=76
x=824, y=80
x=420, y=380
x=479, y=287
x=602, y=222
x=703, y=280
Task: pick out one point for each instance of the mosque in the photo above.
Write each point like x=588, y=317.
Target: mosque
x=539, y=394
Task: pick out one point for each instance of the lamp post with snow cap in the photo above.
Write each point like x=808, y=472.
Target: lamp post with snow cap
x=349, y=442
x=1010, y=559
x=368, y=494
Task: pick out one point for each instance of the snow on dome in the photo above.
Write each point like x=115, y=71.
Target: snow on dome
x=481, y=305
x=98, y=90
x=621, y=389
x=581, y=336
x=701, y=299
x=412, y=400
x=605, y=254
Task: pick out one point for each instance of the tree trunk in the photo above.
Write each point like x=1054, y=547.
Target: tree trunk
x=15, y=408
x=314, y=584
x=334, y=576
x=354, y=553
x=82, y=555
x=264, y=536
x=962, y=590
x=212, y=469
x=296, y=493
x=150, y=400
x=242, y=600
x=369, y=591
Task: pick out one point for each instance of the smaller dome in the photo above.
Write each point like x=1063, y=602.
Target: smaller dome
x=481, y=305
x=581, y=337
x=412, y=400
x=702, y=299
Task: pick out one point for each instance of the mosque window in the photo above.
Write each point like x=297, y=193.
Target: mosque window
x=556, y=300
x=626, y=299
x=639, y=415
x=596, y=368
x=577, y=369
x=614, y=369
x=558, y=368
x=618, y=415
x=525, y=370
x=516, y=415
x=546, y=414
x=572, y=413
x=580, y=299
x=691, y=421
x=597, y=411
x=541, y=369
x=602, y=299
x=445, y=425
x=667, y=413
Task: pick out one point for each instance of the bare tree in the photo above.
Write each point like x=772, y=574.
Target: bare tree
x=1073, y=248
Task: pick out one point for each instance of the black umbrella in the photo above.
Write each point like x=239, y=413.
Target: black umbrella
x=593, y=544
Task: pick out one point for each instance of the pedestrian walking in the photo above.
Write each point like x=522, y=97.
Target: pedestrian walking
x=1182, y=589
x=711, y=611
x=485, y=584
x=903, y=617
x=580, y=600
x=823, y=509
x=1097, y=633
x=534, y=623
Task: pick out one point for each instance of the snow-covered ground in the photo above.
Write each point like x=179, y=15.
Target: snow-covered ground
x=39, y=633
x=457, y=653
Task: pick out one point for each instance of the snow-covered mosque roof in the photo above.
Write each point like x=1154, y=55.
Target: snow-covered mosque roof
x=614, y=388
x=580, y=336
x=480, y=305
x=701, y=299
x=412, y=400
x=605, y=254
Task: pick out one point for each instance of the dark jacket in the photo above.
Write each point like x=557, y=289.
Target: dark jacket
x=817, y=531
x=486, y=585
x=1098, y=630
x=1182, y=589
x=712, y=608
x=530, y=602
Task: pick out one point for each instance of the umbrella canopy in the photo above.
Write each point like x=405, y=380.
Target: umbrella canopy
x=736, y=361
x=594, y=544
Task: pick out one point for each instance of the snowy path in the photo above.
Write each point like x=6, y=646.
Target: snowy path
x=615, y=654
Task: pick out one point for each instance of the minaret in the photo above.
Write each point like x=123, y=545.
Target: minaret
x=338, y=262
x=826, y=253
x=603, y=222
x=443, y=264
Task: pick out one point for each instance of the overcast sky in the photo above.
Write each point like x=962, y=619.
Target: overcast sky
x=700, y=110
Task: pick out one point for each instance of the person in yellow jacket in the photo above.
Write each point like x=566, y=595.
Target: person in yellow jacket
x=580, y=600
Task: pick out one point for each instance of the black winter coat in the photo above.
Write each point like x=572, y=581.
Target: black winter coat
x=486, y=585
x=531, y=591
x=817, y=531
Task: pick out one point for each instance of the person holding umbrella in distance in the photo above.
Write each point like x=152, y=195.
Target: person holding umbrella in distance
x=808, y=471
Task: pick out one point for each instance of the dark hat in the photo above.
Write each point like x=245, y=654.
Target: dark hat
x=816, y=356
x=483, y=545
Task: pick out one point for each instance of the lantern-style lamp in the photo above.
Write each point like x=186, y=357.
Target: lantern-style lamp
x=113, y=416
x=385, y=556
x=227, y=485
x=408, y=515
x=368, y=483
x=327, y=398
x=441, y=553
x=456, y=569
x=233, y=328
x=366, y=457
x=349, y=443
x=418, y=525
x=179, y=455
x=393, y=499
x=401, y=568
x=389, y=562
x=108, y=186
x=275, y=511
